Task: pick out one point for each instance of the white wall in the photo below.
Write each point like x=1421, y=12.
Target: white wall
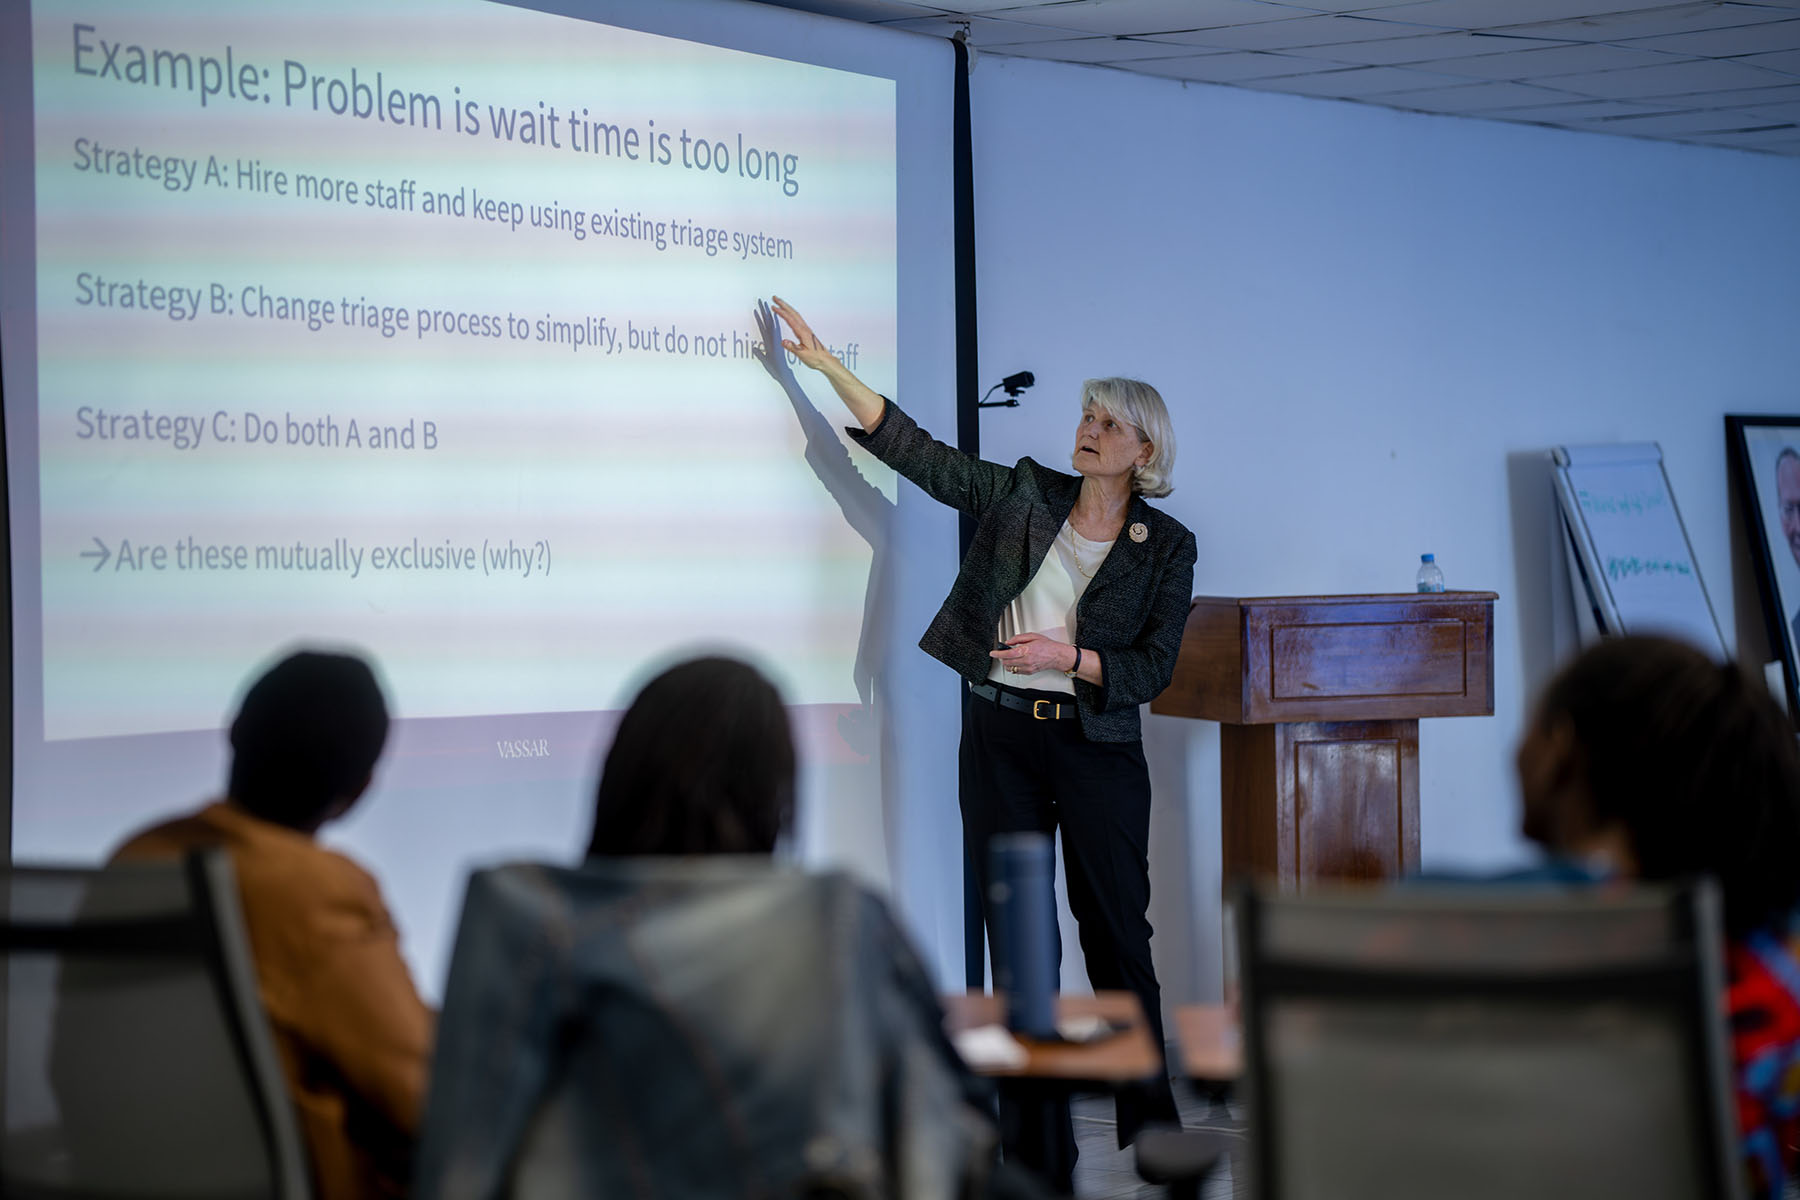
x=1370, y=325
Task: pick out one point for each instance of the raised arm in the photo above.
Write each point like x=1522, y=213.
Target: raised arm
x=865, y=405
x=944, y=473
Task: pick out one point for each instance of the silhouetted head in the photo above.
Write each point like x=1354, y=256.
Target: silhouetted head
x=703, y=763
x=1685, y=766
x=306, y=738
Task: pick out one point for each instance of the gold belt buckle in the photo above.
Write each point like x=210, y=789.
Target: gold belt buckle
x=1038, y=716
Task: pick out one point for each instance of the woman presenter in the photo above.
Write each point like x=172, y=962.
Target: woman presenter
x=1066, y=616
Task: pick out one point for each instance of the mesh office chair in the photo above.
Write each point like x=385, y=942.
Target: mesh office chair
x=138, y=1061
x=1433, y=1042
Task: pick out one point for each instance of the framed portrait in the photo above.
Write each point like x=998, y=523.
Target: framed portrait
x=1765, y=467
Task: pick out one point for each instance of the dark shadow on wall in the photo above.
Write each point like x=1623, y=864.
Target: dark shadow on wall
x=871, y=514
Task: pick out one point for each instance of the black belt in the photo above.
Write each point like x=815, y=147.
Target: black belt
x=1042, y=710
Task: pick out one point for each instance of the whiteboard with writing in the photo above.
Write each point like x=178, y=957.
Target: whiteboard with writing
x=1632, y=546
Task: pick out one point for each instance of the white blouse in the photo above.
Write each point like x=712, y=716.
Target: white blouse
x=1047, y=605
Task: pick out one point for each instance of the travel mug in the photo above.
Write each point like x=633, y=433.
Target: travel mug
x=1025, y=967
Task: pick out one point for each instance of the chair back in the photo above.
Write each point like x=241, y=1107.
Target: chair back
x=693, y=1027
x=138, y=1061
x=1486, y=1042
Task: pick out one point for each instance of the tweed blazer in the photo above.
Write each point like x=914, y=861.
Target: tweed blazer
x=1132, y=613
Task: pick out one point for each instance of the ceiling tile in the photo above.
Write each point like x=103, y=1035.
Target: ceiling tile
x=1231, y=68
x=865, y=10
x=1694, y=75
x=1706, y=72
x=953, y=6
x=1661, y=124
x=1299, y=32
x=1354, y=82
x=1493, y=14
x=1148, y=16
x=1428, y=48
x=964, y=6
x=1743, y=96
x=1578, y=59
x=983, y=31
x=1095, y=50
x=1726, y=43
x=1472, y=97
x=1787, y=61
x=1745, y=141
x=1365, y=7
x=1654, y=22
x=1578, y=111
x=1770, y=114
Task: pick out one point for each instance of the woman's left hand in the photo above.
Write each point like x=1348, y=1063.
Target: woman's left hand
x=1029, y=653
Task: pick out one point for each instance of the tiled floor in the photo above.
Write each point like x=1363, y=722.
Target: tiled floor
x=1104, y=1172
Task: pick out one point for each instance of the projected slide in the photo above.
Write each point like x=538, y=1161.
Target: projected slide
x=426, y=327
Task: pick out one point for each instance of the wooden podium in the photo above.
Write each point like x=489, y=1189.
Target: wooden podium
x=1319, y=699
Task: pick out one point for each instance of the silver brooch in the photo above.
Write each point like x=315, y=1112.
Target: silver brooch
x=1138, y=531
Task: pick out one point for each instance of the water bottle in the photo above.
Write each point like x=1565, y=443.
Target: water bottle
x=1430, y=578
x=1019, y=866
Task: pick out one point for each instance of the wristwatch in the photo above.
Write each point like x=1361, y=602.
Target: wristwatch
x=1071, y=672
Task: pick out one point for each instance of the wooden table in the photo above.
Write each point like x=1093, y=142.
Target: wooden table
x=1212, y=1044
x=1126, y=1057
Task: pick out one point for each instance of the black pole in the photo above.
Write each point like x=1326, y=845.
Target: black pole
x=968, y=430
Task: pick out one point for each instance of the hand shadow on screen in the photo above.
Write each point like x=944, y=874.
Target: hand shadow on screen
x=869, y=512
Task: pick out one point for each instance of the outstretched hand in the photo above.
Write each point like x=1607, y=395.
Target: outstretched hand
x=805, y=344
x=864, y=404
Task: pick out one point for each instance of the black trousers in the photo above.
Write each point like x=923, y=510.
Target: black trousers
x=1020, y=774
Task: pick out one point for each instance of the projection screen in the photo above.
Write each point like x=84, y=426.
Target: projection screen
x=427, y=329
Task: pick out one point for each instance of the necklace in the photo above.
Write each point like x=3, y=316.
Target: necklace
x=1075, y=553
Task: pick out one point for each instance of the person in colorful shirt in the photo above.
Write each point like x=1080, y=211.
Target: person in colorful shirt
x=1648, y=760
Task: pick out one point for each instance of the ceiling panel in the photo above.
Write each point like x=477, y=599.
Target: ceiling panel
x=1474, y=97
x=1785, y=61
x=1357, y=82
x=1676, y=78
x=1655, y=21
x=1573, y=113
x=983, y=31
x=1151, y=16
x=1745, y=97
x=865, y=10
x=1658, y=124
x=1110, y=50
x=1496, y=14
x=1700, y=71
x=1725, y=43
x=1299, y=32
x=1430, y=48
x=1582, y=58
x=1232, y=67
x=1773, y=113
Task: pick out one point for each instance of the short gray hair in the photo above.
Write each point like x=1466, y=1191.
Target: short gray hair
x=1140, y=406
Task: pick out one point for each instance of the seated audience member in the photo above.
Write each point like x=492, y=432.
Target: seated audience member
x=1647, y=760
x=679, y=1015
x=353, y=1035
